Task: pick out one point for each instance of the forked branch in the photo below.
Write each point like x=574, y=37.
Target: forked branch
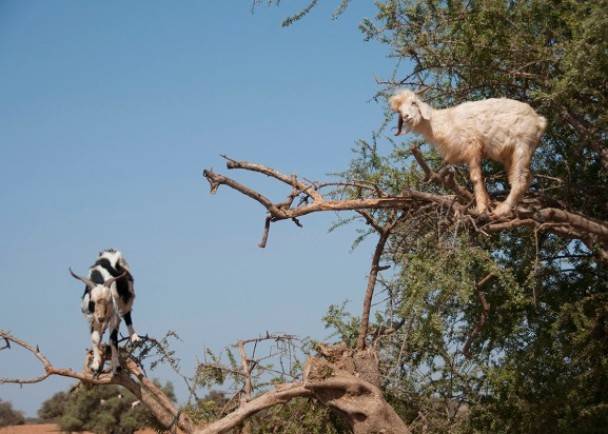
x=360, y=402
x=534, y=211
x=132, y=378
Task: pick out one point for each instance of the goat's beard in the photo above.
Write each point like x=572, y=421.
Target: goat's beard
x=400, y=126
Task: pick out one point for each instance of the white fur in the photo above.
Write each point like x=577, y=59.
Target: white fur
x=104, y=315
x=116, y=258
x=501, y=129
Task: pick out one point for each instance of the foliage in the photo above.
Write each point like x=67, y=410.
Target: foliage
x=480, y=333
x=100, y=409
x=538, y=364
x=537, y=352
x=54, y=407
x=10, y=416
x=272, y=359
x=550, y=53
x=299, y=416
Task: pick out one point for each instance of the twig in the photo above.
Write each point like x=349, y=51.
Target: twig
x=531, y=212
x=264, y=240
x=485, y=306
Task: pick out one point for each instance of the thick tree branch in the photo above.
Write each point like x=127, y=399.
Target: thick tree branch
x=533, y=212
x=280, y=395
x=132, y=378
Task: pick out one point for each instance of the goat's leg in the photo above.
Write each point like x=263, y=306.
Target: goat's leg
x=519, y=176
x=96, y=364
x=114, y=324
x=481, y=195
x=129, y=322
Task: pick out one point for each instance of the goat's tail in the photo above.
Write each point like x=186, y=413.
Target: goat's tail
x=542, y=124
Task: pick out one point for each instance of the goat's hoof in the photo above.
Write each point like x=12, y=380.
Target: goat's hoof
x=479, y=210
x=135, y=338
x=502, y=210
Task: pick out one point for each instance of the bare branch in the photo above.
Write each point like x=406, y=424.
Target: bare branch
x=534, y=211
x=485, y=306
x=445, y=178
x=290, y=180
x=216, y=180
x=132, y=378
x=264, y=240
x=369, y=291
x=280, y=395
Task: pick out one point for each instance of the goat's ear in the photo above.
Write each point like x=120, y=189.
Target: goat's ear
x=394, y=102
x=425, y=110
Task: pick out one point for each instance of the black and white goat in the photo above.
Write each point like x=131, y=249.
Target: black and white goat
x=108, y=297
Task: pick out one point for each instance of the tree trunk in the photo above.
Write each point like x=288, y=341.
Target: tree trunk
x=347, y=381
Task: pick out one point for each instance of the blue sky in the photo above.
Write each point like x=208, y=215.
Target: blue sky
x=109, y=112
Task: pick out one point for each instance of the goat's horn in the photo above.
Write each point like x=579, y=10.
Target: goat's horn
x=423, y=90
x=111, y=280
x=399, y=125
x=87, y=282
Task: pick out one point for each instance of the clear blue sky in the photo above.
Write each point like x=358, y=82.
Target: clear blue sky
x=110, y=110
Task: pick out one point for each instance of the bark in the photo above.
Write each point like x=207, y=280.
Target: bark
x=347, y=381
x=280, y=395
x=131, y=378
x=343, y=379
x=485, y=312
x=248, y=386
x=534, y=211
x=369, y=291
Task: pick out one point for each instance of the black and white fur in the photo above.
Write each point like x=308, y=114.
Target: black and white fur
x=108, y=296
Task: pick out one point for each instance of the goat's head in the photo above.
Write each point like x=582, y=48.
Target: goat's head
x=100, y=295
x=102, y=299
x=412, y=110
x=111, y=255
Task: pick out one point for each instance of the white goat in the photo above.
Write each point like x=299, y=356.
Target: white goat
x=501, y=129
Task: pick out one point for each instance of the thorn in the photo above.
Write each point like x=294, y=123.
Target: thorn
x=37, y=349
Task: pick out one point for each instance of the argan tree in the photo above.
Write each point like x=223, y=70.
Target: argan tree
x=482, y=324
x=10, y=416
x=108, y=409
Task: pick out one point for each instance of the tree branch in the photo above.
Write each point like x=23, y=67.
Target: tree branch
x=280, y=395
x=532, y=212
x=485, y=306
x=132, y=378
x=371, y=285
